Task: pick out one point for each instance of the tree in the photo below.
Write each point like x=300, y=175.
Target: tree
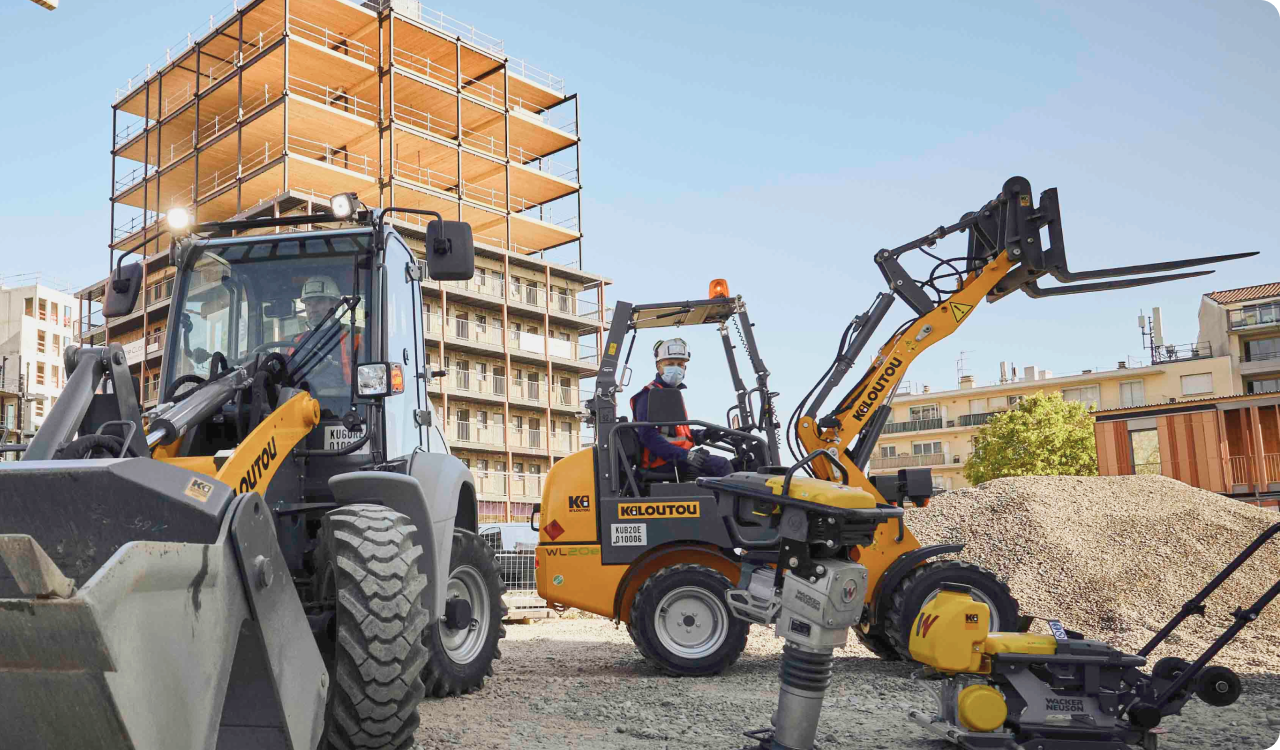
x=1044, y=436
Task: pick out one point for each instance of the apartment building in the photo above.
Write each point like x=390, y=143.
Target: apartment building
x=278, y=104
x=36, y=325
x=1244, y=325
x=936, y=428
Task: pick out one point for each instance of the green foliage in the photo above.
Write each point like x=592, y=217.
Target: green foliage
x=1044, y=436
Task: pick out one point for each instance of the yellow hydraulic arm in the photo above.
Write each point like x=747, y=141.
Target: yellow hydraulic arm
x=887, y=370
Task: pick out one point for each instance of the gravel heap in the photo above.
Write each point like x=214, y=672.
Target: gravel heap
x=1116, y=557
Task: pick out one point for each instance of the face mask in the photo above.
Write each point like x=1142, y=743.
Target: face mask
x=672, y=375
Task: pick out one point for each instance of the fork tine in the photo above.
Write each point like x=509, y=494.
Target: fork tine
x=1035, y=290
x=1062, y=274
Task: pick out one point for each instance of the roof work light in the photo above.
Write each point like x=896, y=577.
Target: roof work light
x=178, y=219
x=719, y=288
x=345, y=206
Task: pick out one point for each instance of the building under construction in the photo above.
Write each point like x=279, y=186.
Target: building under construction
x=275, y=105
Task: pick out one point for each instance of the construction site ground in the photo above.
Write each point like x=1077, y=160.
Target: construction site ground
x=1112, y=557
x=580, y=683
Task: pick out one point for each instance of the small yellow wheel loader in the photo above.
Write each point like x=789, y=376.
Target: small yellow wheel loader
x=282, y=554
x=812, y=547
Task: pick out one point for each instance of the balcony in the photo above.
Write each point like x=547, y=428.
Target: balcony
x=523, y=437
x=468, y=383
x=974, y=420
x=907, y=462
x=531, y=392
x=915, y=425
x=474, y=435
x=1254, y=316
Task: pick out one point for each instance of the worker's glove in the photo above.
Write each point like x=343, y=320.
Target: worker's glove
x=697, y=458
x=710, y=435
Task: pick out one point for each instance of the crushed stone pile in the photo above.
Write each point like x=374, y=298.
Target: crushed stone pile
x=1116, y=557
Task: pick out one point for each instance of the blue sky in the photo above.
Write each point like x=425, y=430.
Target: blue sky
x=779, y=147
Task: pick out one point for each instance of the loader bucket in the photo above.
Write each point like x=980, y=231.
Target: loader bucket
x=144, y=606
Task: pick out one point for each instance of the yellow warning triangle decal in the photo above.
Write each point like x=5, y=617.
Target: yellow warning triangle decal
x=958, y=311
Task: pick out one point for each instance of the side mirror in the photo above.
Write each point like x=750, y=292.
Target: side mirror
x=451, y=251
x=122, y=291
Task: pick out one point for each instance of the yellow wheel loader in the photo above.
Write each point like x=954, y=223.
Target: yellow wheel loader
x=282, y=553
x=813, y=547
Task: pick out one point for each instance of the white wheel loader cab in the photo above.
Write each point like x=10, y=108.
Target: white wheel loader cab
x=343, y=308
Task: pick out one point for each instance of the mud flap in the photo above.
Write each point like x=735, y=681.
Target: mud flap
x=168, y=646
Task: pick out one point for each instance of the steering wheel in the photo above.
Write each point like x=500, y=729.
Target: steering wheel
x=263, y=348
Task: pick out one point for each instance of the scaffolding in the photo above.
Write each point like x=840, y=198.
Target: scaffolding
x=272, y=106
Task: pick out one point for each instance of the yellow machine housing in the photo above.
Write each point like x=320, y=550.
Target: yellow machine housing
x=951, y=634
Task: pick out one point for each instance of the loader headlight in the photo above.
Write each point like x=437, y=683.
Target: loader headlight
x=345, y=206
x=178, y=219
x=380, y=379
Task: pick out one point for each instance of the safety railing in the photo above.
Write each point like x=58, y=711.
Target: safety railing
x=549, y=118
x=335, y=98
x=523, y=437
x=332, y=41
x=530, y=160
x=482, y=285
x=160, y=292
x=541, y=77
x=451, y=26
x=481, y=90
x=1259, y=356
x=528, y=294
x=128, y=227
x=471, y=382
x=1241, y=469
x=426, y=176
x=1254, y=315
x=483, y=142
x=131, y=130
x=335, y=156
x=528, y=391
x=974, y=420
x=460, y=329
x=526, y=485
x=915, y=425
x=564, y=442
x=474, y=432
x=1271, y=467
x=424, y=120
x=587, y=353
x=424, y=66
x=133, y=177
x=155, y=340
x=176, y=50
x=903, y=462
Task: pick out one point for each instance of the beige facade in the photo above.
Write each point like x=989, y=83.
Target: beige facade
x=281, y=103
x=1244, y=326
x=936, y=429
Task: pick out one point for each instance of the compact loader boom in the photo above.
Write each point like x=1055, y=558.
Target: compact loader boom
x=279, y=555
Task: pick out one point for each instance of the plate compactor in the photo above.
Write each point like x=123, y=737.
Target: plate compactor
x=282, y=553
x=1062, y=691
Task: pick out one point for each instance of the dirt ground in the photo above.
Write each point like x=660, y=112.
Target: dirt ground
x=580, y=683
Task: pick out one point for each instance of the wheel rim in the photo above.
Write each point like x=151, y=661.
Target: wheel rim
x=691, y=622
x=978, y=596
x=464, y=644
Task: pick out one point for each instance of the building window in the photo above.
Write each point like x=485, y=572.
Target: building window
x=977, y=406
x=29, y=307
x=38, y=407
x=40, y=348
x=66, y=315
x=1132, y=393
x=57, y=345
x=919, y=413
x=1262, y=349
x=42, y=309
x=1197, y=384
x=39, y=373
x=1269, y=385
x=1085, y=394
x=53, y=371
x=926, y=449
x=1013, y=401
x=888, y=451
x=1144, y=451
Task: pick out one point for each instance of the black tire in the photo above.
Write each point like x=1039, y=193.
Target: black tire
x=1218, y=686
x=702, y=587
x=926, y=580
x=877, y=643
x=367, y=563
x=1169, y=668
x=458, y=671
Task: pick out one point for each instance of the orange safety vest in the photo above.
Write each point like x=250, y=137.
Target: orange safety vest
x=679, y=435
x=343, y=349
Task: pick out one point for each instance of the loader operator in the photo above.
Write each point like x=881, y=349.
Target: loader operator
x=320, y=295
x=663, y=445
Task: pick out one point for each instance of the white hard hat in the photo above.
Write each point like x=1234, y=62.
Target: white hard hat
x=671, y=349
x=320, y=286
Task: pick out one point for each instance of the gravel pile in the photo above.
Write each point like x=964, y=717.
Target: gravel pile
x=1116, y=557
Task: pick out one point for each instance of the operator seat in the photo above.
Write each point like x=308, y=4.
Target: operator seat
x=632, y=450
